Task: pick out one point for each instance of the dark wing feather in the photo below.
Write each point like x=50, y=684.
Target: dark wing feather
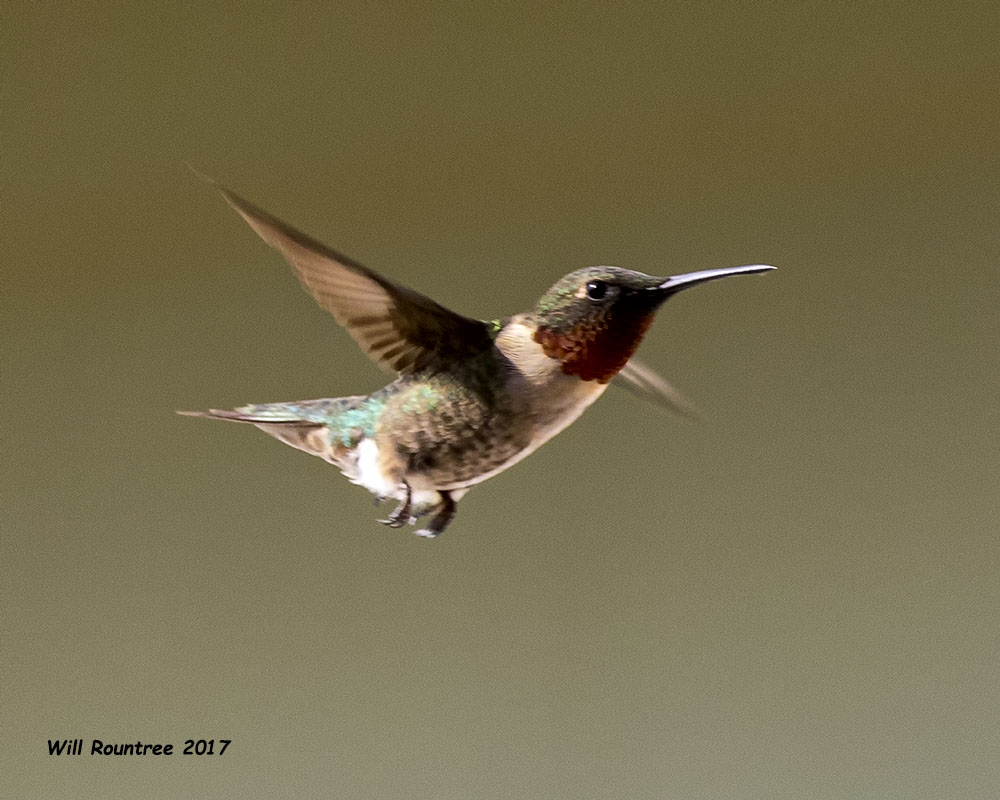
x=398, y=328
x=644, y=382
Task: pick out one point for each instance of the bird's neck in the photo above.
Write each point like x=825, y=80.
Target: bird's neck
x=550, y=395
x=592, y=350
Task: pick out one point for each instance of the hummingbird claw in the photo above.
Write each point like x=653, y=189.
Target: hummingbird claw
x=441, y=520
x=401, y=514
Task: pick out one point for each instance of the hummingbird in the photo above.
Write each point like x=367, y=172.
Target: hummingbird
x=471, y=398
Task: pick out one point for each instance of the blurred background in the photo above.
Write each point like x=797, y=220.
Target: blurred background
x=797, y=597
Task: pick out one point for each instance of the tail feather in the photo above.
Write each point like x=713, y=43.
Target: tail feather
x=237, y=416
x=309, y=436
x=317, y=427
x=301, y=412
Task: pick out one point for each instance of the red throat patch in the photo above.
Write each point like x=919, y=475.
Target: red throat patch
x=594, y=351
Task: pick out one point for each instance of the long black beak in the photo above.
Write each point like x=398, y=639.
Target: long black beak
x=678, y=282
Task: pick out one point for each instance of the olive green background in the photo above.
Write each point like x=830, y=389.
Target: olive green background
x=796, y=598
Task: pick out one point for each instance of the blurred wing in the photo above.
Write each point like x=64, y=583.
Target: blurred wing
x=645, y=383
x=398, y=328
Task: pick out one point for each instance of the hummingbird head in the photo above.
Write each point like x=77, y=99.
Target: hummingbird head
x=592, y=320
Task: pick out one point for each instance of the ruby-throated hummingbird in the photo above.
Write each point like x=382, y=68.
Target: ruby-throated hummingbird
x=471, y=398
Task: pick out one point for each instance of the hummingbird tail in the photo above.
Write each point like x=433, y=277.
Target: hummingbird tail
x=329, y=427
x=301, y=412
x=302, y=434
x=238, y=416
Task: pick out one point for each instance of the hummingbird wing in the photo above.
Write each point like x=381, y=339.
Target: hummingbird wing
x=398, y=328
x=643, y=382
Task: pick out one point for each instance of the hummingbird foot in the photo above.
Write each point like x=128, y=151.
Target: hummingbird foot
x=401, y=514
x=445, y=514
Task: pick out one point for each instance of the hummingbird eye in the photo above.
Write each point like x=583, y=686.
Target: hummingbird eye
x=597, y=290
